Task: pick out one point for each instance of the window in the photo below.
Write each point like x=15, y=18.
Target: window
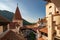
x=57, y=12
x=50, y=6
x=50, y=13
x=54, y=23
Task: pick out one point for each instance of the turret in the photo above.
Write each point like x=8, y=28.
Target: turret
x=17, y=17
x=17, y=21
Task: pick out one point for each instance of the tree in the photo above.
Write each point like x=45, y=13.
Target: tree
x=31, y=36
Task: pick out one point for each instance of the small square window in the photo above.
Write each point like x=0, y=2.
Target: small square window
x=50, y=13
x=50, y=6
x=57, y=12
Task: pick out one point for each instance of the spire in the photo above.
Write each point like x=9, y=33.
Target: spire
x=17, y=15
x=17, y=4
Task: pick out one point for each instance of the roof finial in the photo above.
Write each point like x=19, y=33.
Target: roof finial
x=39, y=19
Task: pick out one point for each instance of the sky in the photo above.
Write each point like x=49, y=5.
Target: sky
x=30, y=10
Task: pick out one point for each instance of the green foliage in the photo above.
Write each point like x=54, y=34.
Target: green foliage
x=8, y=15
x=32, y=36
x=26, y=22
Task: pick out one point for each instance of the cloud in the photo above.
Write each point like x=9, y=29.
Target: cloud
x=9, y=5
x=4, y=7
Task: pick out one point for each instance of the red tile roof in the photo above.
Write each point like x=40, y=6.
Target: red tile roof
x=17, y=15
x=29, y=27
x=41, y=38
x=45, y=30
x=36, y=28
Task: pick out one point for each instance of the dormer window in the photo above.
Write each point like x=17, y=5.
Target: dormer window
x=50, y=6
x=57, y=12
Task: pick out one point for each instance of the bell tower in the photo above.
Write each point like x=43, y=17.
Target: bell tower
x=50, y=11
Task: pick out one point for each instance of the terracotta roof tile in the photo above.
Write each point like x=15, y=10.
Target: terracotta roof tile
x=33, y=28
x=41, y=38
x=36, y=28
x=45, y=30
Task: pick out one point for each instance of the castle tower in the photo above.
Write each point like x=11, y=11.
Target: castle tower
x=17, y=17
x=50, y=27
x=17, y=20
x=50, y=10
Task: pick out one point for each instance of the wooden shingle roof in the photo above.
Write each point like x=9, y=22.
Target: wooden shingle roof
x=10, y=35
x=17, y=15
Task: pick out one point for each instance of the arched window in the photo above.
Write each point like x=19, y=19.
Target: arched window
x=50, y=7
x=50, y=13
x=57, y=12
